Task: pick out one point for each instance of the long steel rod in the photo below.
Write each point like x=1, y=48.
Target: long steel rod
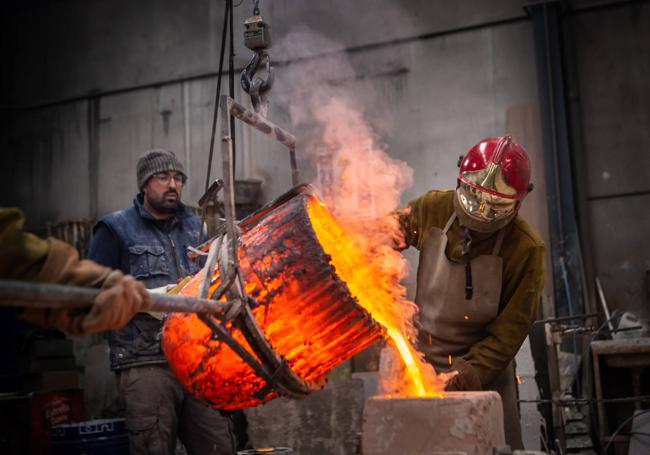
x=229, y=181
x=46, y=295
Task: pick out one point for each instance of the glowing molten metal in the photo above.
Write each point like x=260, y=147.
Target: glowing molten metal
x=319, y=302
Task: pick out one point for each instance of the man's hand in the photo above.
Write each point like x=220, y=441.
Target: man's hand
x=466, y=379
x=121, y=297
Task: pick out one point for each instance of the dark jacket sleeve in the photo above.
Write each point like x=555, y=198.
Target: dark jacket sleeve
x=106, y=248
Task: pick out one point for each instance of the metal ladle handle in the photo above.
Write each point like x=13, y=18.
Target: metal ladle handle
x=46, y=295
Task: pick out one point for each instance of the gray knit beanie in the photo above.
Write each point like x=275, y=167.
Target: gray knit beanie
x=155, y=161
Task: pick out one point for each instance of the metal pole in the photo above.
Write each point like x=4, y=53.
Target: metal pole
x=231, y=77
x=556, y=389
x=57, y=296
x=295, y=175
x=229, y=180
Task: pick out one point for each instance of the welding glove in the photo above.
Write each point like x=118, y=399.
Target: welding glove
x=466, y=379
x=119, y=299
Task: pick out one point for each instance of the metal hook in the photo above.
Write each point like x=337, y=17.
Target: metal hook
x=257, y=87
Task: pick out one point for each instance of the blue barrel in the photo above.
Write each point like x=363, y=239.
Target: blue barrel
x=93, y=437
x=266, y=451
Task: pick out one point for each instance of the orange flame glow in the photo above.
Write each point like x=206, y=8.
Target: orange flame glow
x=361, y=184
x=366, y=269
x=344, y=118
x=303, y=307
x=321, y=298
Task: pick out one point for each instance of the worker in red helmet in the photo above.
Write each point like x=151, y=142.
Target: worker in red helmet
x=480, y=273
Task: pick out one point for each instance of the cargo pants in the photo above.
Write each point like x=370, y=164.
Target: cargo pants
x=158, y=410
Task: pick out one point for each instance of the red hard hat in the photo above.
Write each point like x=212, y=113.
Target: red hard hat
x=497, y=166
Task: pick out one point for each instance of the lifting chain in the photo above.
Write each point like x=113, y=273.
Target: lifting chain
x=257, y=37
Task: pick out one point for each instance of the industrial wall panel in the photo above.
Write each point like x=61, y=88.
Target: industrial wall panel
x=458, y=91
x=256, y=155
x=79, y=47
x=367, y=22
x=45, y=162
x=613, y=54
x=69, y=49
x=428, y=101
x=129, y=125
x=126, y=128
x=176, y=117
x=198, y=105
x=581, y=5
x=622, y=253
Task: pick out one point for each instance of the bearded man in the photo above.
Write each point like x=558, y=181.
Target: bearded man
x=149, y=241
x=480, y=274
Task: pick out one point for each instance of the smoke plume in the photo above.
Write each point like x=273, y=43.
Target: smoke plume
x=329, y=105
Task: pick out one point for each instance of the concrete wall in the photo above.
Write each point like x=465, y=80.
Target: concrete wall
x=613, y=61
x=150, y=67
x=441, y=77
x=73, y=48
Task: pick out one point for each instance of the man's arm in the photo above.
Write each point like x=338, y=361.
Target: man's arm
x=430, y=209
x=507, y=332
x=105, y=247
x=23, y=256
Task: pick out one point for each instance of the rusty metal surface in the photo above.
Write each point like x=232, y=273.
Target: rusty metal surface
x=624, y=346
x=624, y=353
x=261, y=124
x=300, y=306
x=266, y=127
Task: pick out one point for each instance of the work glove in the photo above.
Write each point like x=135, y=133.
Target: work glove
x=119, y=299
x=466, y=379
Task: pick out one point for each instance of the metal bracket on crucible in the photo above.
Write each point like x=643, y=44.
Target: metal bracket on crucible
x=222, y=261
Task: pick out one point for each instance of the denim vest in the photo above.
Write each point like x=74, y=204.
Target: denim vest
x=154, y=252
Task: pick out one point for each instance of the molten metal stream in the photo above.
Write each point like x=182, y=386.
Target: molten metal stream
x=374, y=290
x=412, y=368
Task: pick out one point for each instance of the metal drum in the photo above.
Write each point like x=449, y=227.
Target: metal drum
x=302, y=305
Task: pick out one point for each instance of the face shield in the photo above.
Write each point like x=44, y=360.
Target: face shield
x=483, y=206
x=493, y=179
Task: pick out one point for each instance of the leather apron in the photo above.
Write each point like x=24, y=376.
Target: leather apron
x=449, y=324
